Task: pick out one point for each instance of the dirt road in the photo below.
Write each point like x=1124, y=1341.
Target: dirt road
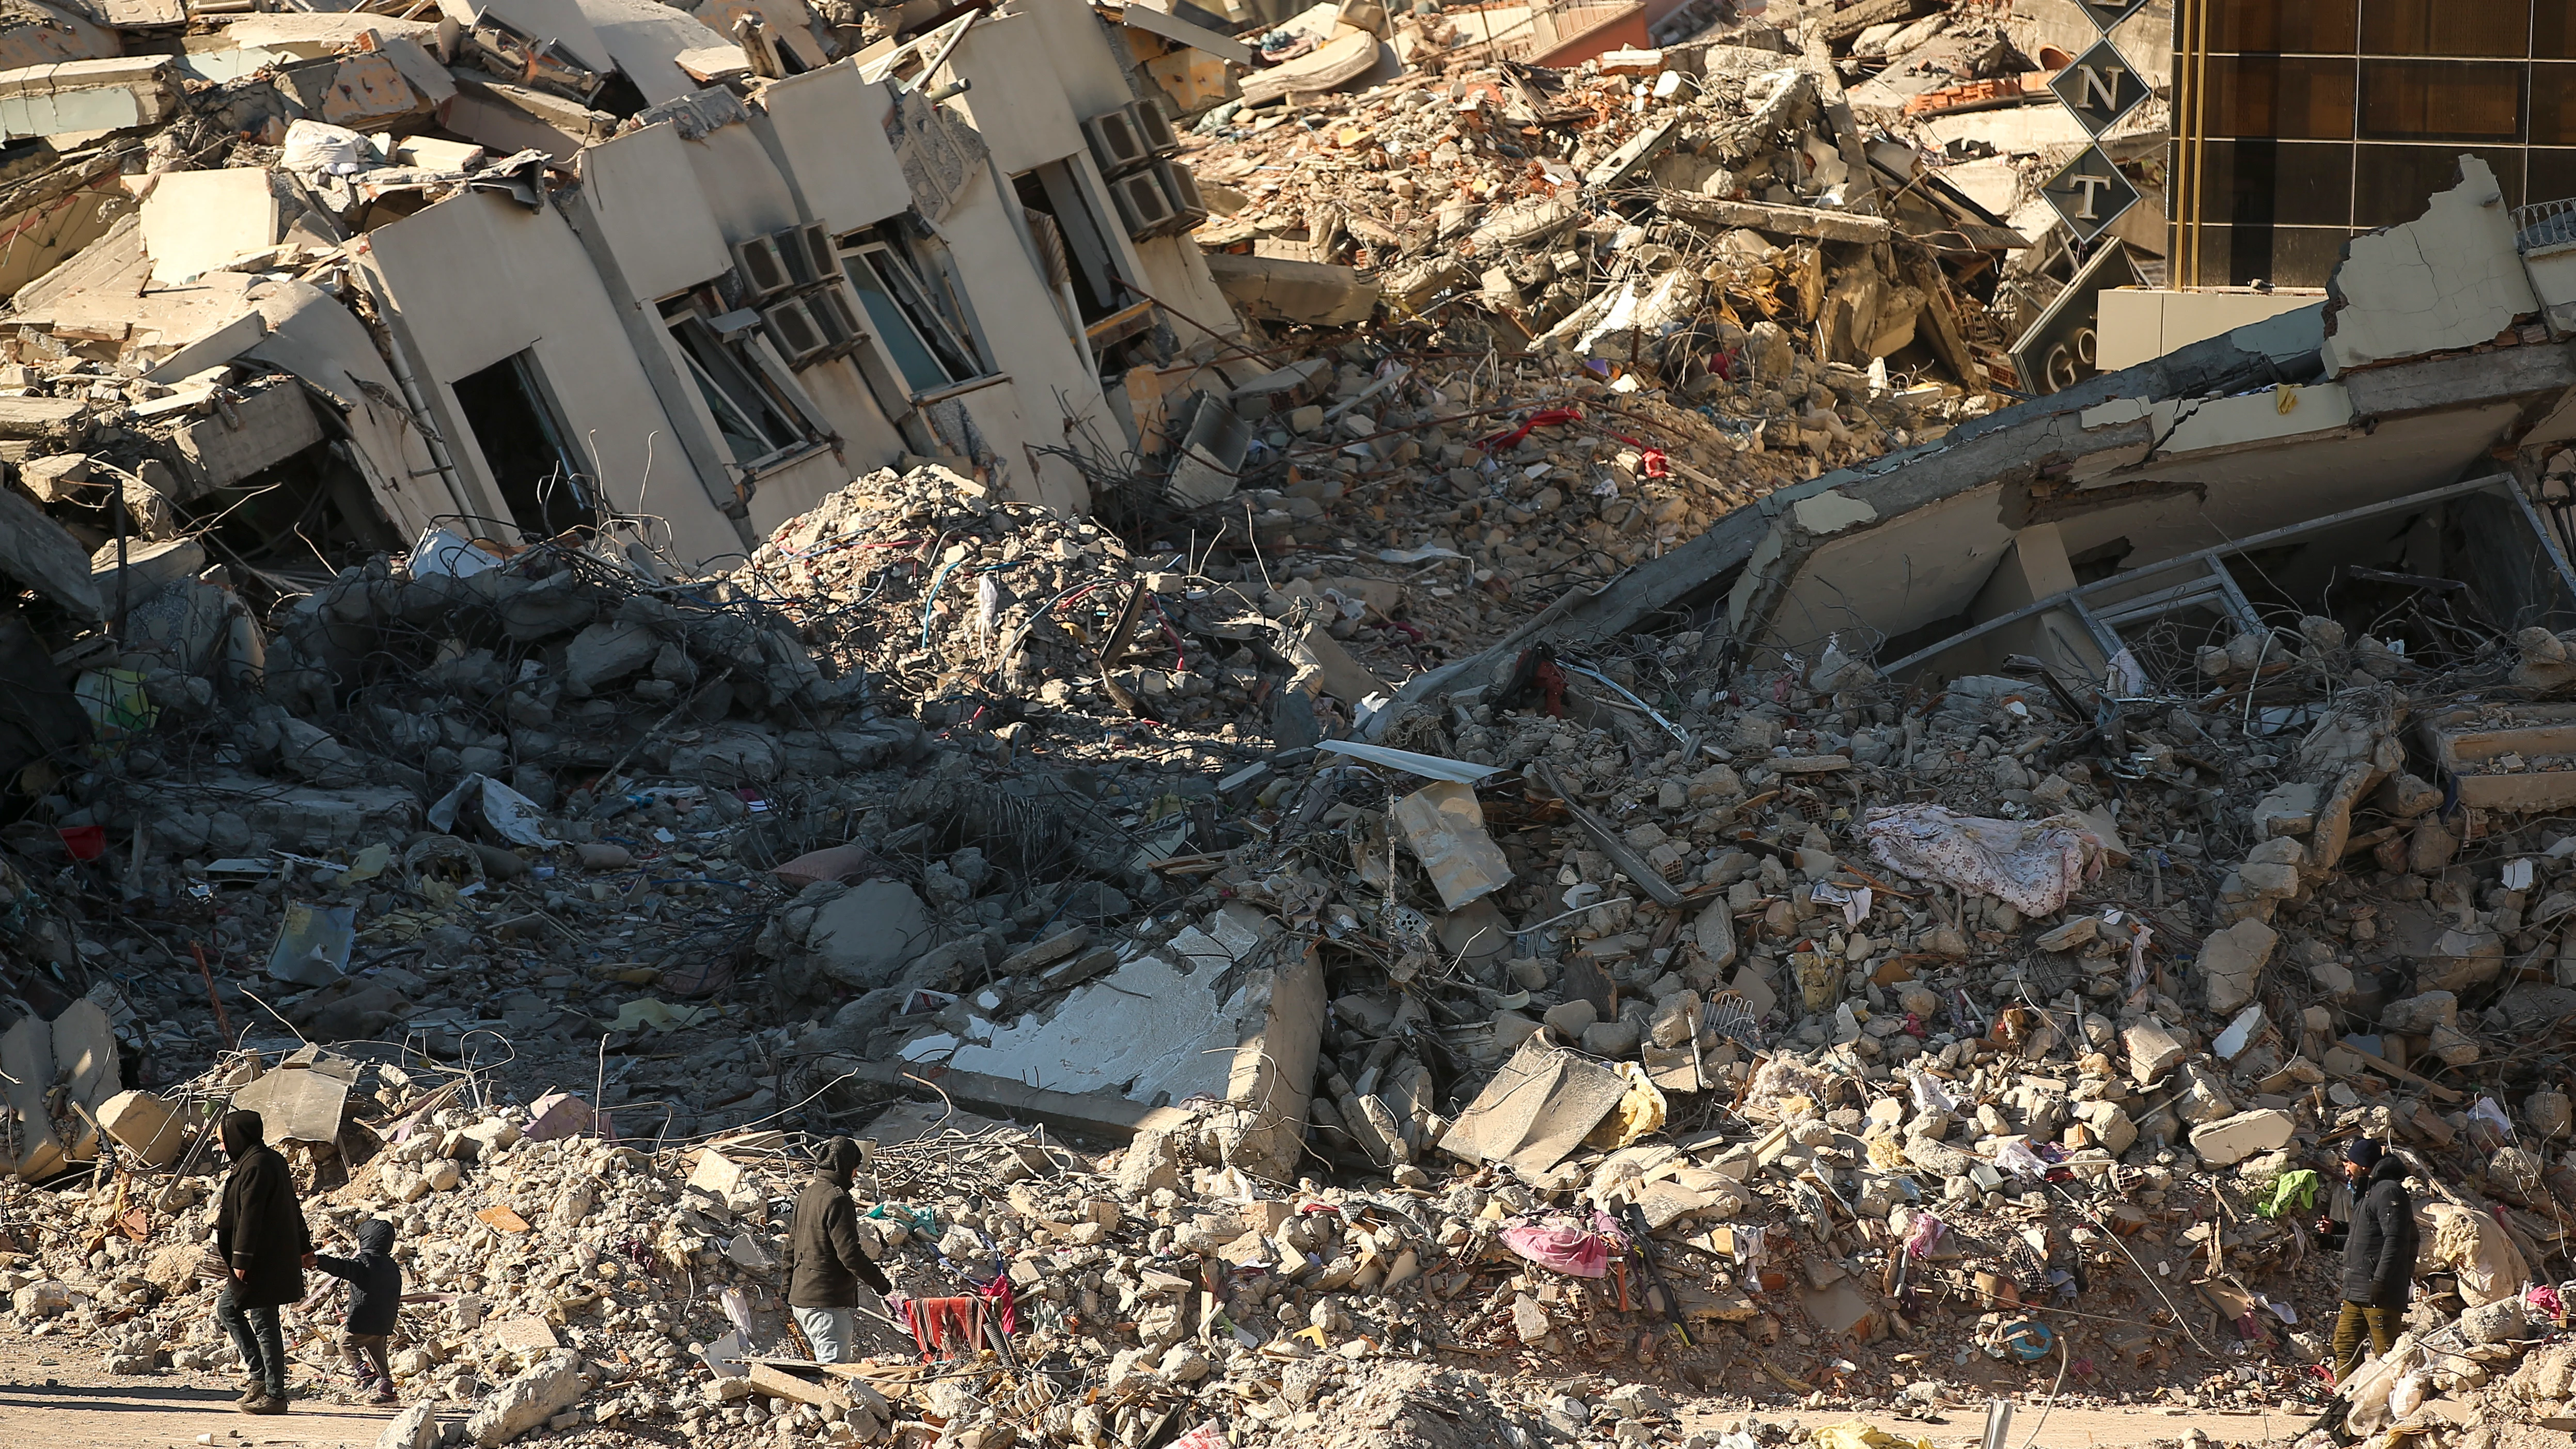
x=55, y=1396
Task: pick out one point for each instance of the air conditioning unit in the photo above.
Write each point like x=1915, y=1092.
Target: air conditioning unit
x=1154, y=127
x=1182, y=190
x=1143, y=206
x=832, y=310
x=1115, y=142
x=808, y=250
x=762, y=267
x=793, y=330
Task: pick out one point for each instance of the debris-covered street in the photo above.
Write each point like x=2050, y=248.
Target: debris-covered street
x=1350, y=728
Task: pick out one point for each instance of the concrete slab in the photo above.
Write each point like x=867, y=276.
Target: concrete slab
x=2450, y=278
x=1240, y=1031
x=84, y=1044
x=195, y=221
x=2231, y=1140
x=113, y=94
x=265, y=427
x=37, y=553
x=1279, y=289
x=26, y=1073
x=2475, y=755
x=296, y=1105
x=1536, y=1110
x=309, y=818
x=144, y=1125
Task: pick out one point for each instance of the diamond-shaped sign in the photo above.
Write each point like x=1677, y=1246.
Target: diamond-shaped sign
x=2100, y=87
x=2090, y=193
x=2108, y=13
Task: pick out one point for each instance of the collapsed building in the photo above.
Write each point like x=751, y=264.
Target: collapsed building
x=533, y=272
x=1563, y=890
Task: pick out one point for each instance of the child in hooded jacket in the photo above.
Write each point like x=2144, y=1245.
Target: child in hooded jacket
x=375, y=1297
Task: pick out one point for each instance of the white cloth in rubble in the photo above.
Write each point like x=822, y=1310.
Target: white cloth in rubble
x=2029, y=865
x=319, y=146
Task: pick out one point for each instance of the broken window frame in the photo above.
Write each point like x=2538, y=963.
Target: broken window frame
x=2221, y=591
x=572, y=472
x=1089, y=251
x=689, y=321
x=894, y=280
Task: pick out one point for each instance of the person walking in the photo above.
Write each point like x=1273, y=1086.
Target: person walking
x=375, y=1302
x=2378, y=1254
x=261, y=1235
x=825, y=1264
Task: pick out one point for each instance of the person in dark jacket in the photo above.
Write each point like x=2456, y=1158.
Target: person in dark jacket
x=2378, y=1254
x=265, y=1245
x=825, y=1264
x=375, y=1297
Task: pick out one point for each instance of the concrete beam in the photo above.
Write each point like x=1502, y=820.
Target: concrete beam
x=2460, y=379
x=115, y=94
x=1806, y=221
x=1100, y=1114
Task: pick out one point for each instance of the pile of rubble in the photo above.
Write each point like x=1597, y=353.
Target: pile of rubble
x=1703, y=218
x=1400, y=1006
x=1613, y=1023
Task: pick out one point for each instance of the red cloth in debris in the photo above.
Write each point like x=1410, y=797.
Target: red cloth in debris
x=1561, y=1246
x=946, y=1326
x=1543, y=418
x=1005, y=1303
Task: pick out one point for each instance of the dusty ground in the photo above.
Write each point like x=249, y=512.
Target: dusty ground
x=57, y=1397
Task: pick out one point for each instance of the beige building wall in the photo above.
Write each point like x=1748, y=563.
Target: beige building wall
x=478, y=278
x=2139, y=325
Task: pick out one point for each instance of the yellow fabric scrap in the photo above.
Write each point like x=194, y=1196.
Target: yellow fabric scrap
x=1857, y=1434
x=369, y=863
x=1640, y=1112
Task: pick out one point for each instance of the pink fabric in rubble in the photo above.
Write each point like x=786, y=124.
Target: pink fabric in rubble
x=1563, y=1247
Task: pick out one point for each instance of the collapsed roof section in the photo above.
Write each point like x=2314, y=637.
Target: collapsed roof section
x=318, y=282
x=2341, y=457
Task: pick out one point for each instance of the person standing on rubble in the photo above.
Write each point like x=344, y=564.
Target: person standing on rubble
x=261, y=1234
x=825, y=1264
x=2378, y=1254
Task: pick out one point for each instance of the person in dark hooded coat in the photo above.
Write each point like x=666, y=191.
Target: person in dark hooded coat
x=375, y=1300
x=2378, y=1255
x=825, y=1264
x=261, y=1235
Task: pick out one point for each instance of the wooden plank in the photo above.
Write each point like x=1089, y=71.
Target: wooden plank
x=778, y=1383
x=2382, y=1064
x=1947, y=339
x=1120, y=325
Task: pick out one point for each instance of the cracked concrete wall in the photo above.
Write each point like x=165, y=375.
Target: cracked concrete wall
x=2450, y=278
